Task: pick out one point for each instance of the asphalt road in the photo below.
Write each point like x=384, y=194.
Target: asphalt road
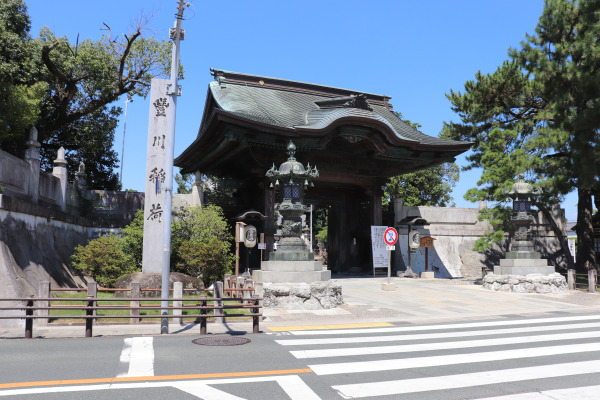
x=513, y=358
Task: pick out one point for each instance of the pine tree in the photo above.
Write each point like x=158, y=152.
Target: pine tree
x=539, y=113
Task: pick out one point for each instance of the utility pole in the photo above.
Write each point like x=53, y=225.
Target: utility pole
x=123, y=148
x=176, y=36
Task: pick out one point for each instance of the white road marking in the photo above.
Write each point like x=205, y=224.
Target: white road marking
x=205, y=392
x=356, y=351
x=137, y=357
x=446, y=326
x=578, y=393
x=389, y=388
x=427, y=336
x=434, y=361
x=293, y=386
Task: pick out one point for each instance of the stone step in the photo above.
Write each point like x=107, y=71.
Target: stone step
x=291, y=266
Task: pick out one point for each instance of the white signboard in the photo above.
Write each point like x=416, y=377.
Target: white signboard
x=380, y=253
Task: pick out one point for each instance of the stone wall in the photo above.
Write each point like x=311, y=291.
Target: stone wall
x=456, y=230
x=36, y=244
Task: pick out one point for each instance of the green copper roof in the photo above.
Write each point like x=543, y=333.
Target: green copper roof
x=307, y=107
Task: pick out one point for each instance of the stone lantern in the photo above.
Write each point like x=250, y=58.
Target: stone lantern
x=522, y=194
x=292, y=262
x=290, y=181
x=522, y=259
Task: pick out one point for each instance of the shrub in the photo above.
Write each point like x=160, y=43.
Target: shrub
x=103, y=260
x=201, y=243
x=132, y=242
x=208, y=261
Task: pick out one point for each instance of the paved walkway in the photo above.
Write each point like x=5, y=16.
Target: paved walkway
x=414, y=301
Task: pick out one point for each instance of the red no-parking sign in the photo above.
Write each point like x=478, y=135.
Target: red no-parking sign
x=390, y=236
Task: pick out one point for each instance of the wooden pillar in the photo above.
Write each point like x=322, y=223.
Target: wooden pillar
x=343, y=234
x=269, y=223
x=332, y=237
x=377, y=207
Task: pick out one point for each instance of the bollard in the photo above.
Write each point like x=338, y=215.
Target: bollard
x=239, y=284
x=43, y=293
x=218, y=302
x=29, y=321
x=259, y=291
x=255, y=317
x=592, y=280
x=135, y=293
x=204, y=304
x=571, y=279
x=178, y=294
x=247, y=294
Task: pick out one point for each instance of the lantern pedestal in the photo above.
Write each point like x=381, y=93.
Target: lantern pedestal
x=291, y=271
x=523, y=267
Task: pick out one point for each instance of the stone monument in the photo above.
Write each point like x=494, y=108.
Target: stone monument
x=522, y=259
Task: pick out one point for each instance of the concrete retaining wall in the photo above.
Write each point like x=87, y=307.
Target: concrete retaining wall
x=455, y=231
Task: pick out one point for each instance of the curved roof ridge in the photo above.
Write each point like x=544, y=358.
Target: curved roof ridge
x=322, y=90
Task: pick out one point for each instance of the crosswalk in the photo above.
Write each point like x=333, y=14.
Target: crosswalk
x=507, y=359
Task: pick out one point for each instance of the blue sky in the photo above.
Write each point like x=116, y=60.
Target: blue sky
x=413, y=51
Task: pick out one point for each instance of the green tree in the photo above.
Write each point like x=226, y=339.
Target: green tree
x=539, y=112
x=20, y=95
x=208, y=261
x=132, y=242
x=66, y=90
x=103, y=260
x=427, y=187
x=184, y=183
x=201, y=243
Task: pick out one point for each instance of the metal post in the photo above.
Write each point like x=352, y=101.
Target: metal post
x=389, y=265
x=255, y=327
x=203, y=304
x=29, y=321
x=218, y=302
x=168, y=191
x=123, y=147
x=92, y=292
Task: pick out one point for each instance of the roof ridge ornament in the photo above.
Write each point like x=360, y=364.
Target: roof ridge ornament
x=358, y=101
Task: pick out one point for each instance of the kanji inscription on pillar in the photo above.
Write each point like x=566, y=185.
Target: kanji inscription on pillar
x=155, y=177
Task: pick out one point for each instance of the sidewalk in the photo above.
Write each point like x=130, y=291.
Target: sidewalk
x=414, y=301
